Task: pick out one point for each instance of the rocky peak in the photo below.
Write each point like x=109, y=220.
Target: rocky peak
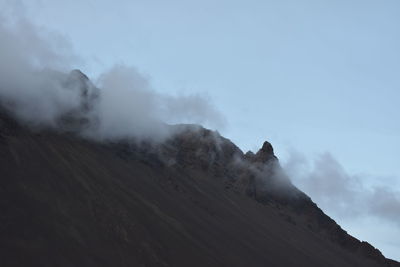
x=78, y=80
x=197, y=147
x=266, y=153
x=81, y=117
x=78, y=74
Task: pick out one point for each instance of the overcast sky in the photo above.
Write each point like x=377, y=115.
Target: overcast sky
x=318, y=79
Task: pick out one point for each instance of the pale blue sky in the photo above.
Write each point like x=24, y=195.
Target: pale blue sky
x=313, y=76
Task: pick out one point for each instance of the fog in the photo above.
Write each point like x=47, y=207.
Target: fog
x=129, y=105
x=36, y=86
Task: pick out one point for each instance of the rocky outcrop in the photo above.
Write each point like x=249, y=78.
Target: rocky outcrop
x=263, y=156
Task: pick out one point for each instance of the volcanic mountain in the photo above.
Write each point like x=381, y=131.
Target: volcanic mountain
x=192, y=199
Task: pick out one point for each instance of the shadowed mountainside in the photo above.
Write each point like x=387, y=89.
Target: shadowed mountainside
x=193, y=199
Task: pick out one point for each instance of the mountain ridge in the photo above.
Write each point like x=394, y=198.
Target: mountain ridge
x=193, y=198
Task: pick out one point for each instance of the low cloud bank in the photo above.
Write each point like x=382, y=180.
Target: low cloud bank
x=37, y=87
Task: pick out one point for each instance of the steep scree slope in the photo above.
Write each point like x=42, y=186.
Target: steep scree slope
x=194, y=199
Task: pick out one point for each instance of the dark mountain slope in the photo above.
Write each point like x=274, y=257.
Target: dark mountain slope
x=194, y=200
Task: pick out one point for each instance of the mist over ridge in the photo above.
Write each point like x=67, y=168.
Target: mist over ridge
x=38, y=87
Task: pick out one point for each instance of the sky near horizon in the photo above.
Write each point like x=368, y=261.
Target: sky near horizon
x=318, y=79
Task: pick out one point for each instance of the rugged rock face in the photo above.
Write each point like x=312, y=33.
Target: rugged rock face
x=194, y=199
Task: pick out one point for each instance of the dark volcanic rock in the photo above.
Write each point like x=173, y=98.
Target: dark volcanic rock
x=193, y=200
x=265, y=154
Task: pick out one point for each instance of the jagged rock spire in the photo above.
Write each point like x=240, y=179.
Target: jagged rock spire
x=265, y=154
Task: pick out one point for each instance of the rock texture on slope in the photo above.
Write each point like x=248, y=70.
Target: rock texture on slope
x=194, y=199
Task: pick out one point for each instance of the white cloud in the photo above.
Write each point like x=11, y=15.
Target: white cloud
x=36, y=86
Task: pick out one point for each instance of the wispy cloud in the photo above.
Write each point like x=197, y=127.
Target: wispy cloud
x=36, y=86
x=341, y=194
